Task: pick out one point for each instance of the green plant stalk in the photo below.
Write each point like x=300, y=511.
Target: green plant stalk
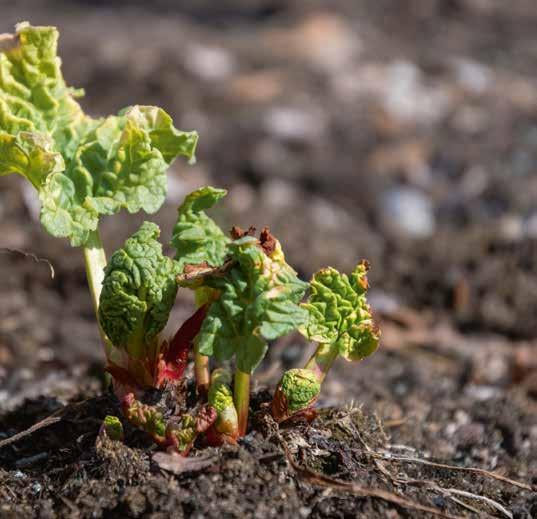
x=95, y=260
x=321, y=361
x=241, y=399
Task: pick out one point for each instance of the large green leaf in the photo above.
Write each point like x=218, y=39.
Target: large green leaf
x=138, y=291
x=259, y=301
x=339, y=313
x=196, y=237
x=81, y=167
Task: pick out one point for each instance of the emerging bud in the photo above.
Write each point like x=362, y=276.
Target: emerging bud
x=112, y=428
x=226, y=427
x=183, y=435
x=298, y=390
x=145, y=417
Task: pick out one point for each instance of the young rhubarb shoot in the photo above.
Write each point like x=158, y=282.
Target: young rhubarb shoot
x=181, y=436
x=298, y=390
x=259, y=296
x=199, y=241
x=81, y=167
x=148, y=418
x=112, y=428
x=138, y=293
x=340, y=321
x=226, y=427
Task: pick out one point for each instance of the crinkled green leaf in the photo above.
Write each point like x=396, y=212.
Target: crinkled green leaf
x=196, y=237
x=300, y=388
x=82, y=167
x=138, y=293
x=259, y=301
x=339, y=313
x=30, y=155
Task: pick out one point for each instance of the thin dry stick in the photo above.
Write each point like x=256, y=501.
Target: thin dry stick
x=325, y=481
x=488, y=500
x=475, y=470
x=31, y=255
x=46, y=422
x=448, y=492
x=49, y=420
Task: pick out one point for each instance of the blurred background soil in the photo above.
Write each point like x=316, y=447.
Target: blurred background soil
x=400, y=132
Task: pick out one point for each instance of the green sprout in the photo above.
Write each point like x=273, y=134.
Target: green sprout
x=226, y=427
x=258, y=301
x=246, y=294
x=340, y=321
x=112, y=428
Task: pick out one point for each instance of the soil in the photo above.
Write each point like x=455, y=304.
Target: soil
x=407, y=136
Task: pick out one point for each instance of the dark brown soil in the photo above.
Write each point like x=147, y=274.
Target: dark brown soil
x=343, y=465
x=405, y=135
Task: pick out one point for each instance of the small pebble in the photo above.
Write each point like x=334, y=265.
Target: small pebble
x=408, y=211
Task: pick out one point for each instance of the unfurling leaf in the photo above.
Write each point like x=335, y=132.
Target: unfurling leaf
x=196, y=237
x=339, y=313
x=297, y=390
x=112, y=428
x=148, y=418
x=81, y=167
x=138, y=292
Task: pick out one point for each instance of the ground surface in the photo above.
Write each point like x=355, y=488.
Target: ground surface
x=406, y=136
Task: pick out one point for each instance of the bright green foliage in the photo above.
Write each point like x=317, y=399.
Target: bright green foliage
x=196, y=237
x=138, y=293
x=81, y=167
x=258, y=302
x=220, y=395
x=300, y=388
x=221, y=398
x=339, y=313
x=113, y=428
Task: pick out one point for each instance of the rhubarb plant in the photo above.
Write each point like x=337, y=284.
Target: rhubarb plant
x=340, y=321
x=257, y=301
x=246, y=294
x=81, y=167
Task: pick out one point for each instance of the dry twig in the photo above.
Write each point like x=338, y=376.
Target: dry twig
x=475, y=470
x=356, y=489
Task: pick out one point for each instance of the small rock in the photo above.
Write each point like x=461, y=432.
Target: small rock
x=294, y=124
x=409, y=211
x=407, y=98
x=472, y=76
x=209, y=63
x=511, y=227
